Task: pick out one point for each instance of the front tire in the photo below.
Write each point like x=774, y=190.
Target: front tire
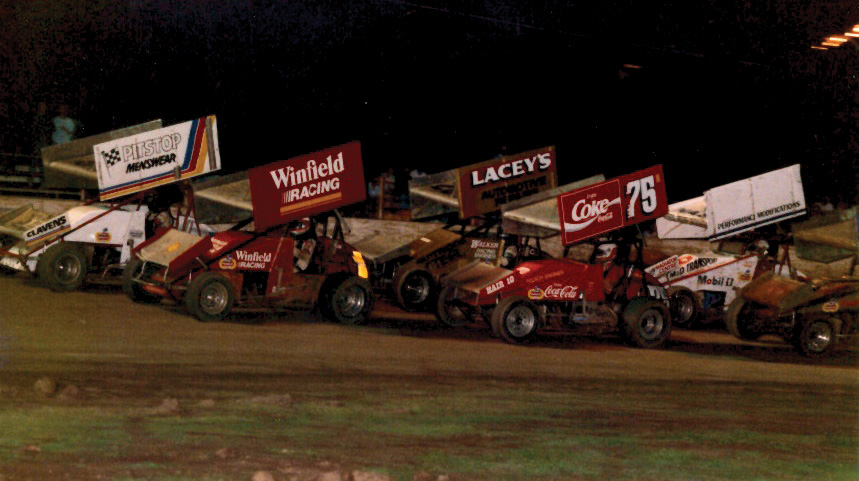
x=209, y=297
x=62, y=267
x=684, y=307
x=516, y=320
x=741, y=320
x=349, y=301
x=817, y=338
x=447, y=311
x=415, y=289
x=132, y=289
x=646, y=323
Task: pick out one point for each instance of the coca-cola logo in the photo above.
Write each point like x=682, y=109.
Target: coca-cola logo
x=615, y=203
x=585, y=213
x=561, y=292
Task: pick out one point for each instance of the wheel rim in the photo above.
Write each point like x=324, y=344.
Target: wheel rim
x=68, y=268
x=416, y=289
x=819, y=336
x=685, y=309
x=214, y=298
x=350, y=302
x=455, y=315
x=651, y=325
x=520, y=321
x=453, y=311
x=748, y=324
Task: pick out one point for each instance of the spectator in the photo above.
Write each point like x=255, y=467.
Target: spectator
x=64, y=126
x=373, y=189
x=390, y=180
x=41, y=128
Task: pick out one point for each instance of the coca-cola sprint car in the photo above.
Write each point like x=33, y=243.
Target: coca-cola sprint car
x=610, y=293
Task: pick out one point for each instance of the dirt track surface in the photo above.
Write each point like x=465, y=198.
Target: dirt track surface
x=119, y=352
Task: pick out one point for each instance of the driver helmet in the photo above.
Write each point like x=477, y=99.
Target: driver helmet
x=606, y=252
x=301, y=228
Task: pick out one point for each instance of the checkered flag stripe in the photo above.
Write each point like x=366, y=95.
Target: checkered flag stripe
x=111, y=157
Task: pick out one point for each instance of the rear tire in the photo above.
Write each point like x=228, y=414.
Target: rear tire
x=62, y=267
x=209, y=297
x=415, y=289
x=132, y=289
x=817, y=338
x=646, y=323
x=741, y=321
x=348, y=301
x=516, y=320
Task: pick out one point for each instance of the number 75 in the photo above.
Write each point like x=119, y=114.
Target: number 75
x=643, y=188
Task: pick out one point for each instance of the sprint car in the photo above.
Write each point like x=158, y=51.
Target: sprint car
x=301, y=266
x=610, y=293
x=814, y=316
x=88, y=243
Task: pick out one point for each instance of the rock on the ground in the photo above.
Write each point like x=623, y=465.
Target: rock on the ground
x=167, y=406
x=262, y=476
x=368, y=476
x=46, y=386
x=329, y=476
x=69, y=393
x=225, y=453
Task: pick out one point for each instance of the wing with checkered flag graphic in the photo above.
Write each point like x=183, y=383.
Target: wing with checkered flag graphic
x=111, y=157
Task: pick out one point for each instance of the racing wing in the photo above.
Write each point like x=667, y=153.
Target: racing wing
x=18, y=221
x=433, y=195
x=736, y=207
x=72, y=165
x=537, y=215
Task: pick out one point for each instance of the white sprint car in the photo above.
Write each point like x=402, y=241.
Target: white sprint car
x=86, y=243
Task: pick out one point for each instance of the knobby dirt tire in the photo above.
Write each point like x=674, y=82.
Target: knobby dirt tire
x=684, y=307
x=646, y=323
x=448, y=313
x=62, y=267
x=740, y=320
x=347, y=300
x=817, y=337
x=209, y=297
x=515, y=320
x=132, y=289
x=415, y=289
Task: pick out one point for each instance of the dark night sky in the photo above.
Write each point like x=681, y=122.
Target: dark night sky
x=726, y=90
